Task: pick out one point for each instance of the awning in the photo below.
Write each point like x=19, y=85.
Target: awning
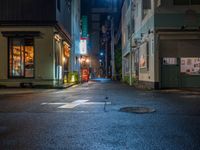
x=21, y=33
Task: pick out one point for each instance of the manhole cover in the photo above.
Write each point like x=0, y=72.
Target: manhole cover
x=139, y=110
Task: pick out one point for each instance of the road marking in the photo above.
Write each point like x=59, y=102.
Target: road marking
x=60, y=92
x=97, y=103
x=76, y=103
x=53, y=103
x=73, y=104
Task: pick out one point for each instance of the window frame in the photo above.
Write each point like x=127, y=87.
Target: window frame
x=22, y=39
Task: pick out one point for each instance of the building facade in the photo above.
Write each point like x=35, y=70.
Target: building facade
x=35, y=41
x=167, y=41
x=75, y=36
x=127, y=28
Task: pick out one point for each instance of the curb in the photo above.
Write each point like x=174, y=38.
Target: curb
x=32, y=90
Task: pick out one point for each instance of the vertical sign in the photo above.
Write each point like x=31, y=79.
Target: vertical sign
x=83, y=46
x=84, y=26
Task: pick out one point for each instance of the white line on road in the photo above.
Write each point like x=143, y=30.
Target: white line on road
x=97, y=103
x=73, y=104
x=76, y=103
x=53, y=103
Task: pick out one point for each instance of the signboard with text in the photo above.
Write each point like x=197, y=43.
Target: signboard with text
x=84, y=26
x=83, y=46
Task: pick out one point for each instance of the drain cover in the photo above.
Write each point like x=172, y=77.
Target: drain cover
x=139, y=110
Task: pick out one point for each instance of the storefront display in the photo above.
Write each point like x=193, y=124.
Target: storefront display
x=21, y=63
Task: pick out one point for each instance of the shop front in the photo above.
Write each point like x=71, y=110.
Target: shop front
x=33, y=57
x=62, y=59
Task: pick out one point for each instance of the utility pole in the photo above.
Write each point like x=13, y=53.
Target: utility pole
x=112, y=47
x=131, y=57
x=106, y=58
x=131, y=64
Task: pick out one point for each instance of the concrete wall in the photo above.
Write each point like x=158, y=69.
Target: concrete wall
x=148, y=73
x=180, y=48
x=144, y=27
x=126, y=58
x=181, y=15
x=125, y=19
x=63, y=16
x=143, y=23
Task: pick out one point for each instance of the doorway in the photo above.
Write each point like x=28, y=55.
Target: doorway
x=170, y=72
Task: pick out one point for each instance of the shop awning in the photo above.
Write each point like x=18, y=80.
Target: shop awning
x=21, y=33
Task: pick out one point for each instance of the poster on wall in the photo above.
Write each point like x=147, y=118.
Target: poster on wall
x=190, y=65
x=169, y=61
x=143, y=56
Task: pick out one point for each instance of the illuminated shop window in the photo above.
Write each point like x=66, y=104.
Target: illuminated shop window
x=21, y=57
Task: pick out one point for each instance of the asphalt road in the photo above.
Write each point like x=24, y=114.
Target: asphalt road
x=78, y=119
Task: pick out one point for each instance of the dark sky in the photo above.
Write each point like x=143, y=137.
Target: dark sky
x=87, y=7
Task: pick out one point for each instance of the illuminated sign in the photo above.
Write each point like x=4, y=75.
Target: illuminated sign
x=84, y=26
x=83, y=46
x=57, y=37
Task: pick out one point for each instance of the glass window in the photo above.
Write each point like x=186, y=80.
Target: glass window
x=21, y=57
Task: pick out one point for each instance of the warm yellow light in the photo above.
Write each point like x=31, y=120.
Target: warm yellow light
x=64, y=59
x=87, y=60
x=65, y=79
x=57, y=37
x=73, y=78
x=65, y=43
